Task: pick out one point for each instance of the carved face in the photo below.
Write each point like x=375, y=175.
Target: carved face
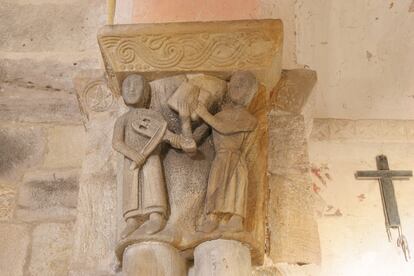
x=242, y=88
x=135, y=90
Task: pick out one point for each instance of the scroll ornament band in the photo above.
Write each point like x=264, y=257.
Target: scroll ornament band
x=200, y=51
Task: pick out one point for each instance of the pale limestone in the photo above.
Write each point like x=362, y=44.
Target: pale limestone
x=222, y=258
x=95, y=233
x=292, y=226
x=263, y=57
x=286, y=269
x=48, y=195
x=51, y=249
x=46, y=69
x=153, y=258
x=7, y=201
x=30, y=26
x=14, y=240
x=362, y=130
x=293, y=90
x=21, y=147
x=265, y=271
x=66, y=146
x=29, y=103
x=358, y=236
x=342, y=129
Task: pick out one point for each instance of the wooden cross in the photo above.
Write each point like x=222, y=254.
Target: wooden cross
x=389, y=202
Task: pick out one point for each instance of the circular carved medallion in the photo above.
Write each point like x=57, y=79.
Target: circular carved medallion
x=98, y=97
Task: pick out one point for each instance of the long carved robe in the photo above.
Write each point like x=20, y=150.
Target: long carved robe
x=228, y=179
x=144, y=190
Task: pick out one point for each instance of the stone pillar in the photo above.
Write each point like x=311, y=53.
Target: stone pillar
x=153, y=258
x=222, y=258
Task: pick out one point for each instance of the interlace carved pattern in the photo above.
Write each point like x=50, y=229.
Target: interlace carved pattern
x=146, y=52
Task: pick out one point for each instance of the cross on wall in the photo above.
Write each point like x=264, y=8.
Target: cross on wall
x=385, y=176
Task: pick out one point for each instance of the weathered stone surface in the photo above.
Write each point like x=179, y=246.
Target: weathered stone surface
x=153, y=258
x=25, y=102
x=46, y=69
x=286, y=269
x=213, y=47
x=20, y=148
x=96, y=224
x=287, y=144
x=51, y=249
x=48, y=194
x=293, y=90
x=66, y=146
x=50, y=26
x=265, y=271
x=222, y=258
x=14, y=241
x=294, y=234
x=7, y=201
x=292, y=226
x=362, y=130
x=94, y=95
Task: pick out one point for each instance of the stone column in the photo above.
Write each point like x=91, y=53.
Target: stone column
x=222, y=258
x=153, y=258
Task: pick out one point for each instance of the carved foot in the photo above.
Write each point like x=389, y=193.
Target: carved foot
x=209, y=224
x=155, y=224
x=235, y=224
x=131, y=226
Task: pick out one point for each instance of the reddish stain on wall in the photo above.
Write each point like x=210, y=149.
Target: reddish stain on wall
x=152, y=11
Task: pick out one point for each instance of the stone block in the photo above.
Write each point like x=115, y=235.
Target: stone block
x=51, y=249
x=320, y=130
x=294, y=236
x=368, y=129
x=293, y=89
x=25, y=102
x=193, y=52
x=7, y=201
x=393, y=130
x=14, y=240
x=222, y=258
x=409, y=128
x=66, y=147
x=20, y=148
x=287, y=144
x=37, y=26
x=46, y=69
x=265, y=271
x=342, y=129
x=48, y=195
x=153, y=258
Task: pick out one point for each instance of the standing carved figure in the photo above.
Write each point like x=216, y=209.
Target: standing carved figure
x=138, y=135
x=228, y=179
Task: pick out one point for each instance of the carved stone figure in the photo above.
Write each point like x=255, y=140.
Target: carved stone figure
x=228, y=179
x=138, y=135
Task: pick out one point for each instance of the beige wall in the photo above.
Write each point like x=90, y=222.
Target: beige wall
x=362, y=51
x=351, y=221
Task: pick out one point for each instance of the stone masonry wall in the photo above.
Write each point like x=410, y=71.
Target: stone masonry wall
x=43, y=44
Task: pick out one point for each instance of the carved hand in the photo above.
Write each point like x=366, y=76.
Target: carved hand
x=188, y=145
x=138, y=162
x=183, y=109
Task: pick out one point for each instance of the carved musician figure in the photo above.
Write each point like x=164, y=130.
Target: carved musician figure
x=138, y=135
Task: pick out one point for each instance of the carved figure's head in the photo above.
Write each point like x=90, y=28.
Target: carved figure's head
x=242, y=88
x=135, y=90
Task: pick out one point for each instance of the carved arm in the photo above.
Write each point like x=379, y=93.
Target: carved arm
x=220, y=126
x=200, y=132
x=118, y=142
